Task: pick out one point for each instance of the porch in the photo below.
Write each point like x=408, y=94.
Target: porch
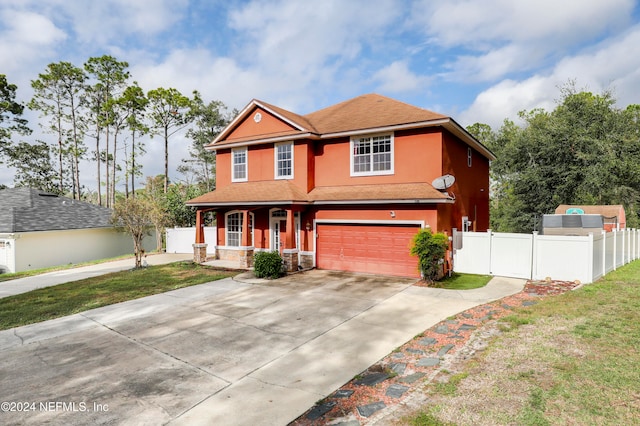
x=244, y=230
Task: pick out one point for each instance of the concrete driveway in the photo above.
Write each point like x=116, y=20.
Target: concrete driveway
x=227, y=352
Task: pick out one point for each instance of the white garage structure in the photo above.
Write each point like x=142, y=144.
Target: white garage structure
x=39, y=230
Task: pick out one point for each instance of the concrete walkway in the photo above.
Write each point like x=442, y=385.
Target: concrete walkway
x=23, y=285
x=227, y=352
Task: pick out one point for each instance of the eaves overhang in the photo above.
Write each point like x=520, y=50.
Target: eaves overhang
x=266, y=140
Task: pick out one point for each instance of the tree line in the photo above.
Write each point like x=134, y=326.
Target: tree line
x=585, y=152
x=95, y=112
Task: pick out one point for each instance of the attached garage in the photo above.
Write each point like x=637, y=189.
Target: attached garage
x=370, y=248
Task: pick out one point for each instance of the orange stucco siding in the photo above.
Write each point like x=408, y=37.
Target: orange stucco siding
x=267, y=124
x=472, y=183
x=223, y=167
x=261, y=164
x=417, y=158
x=401, y=212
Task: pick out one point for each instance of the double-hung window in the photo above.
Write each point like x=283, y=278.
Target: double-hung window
x=284, y=160
x=239, y=164
x=372, y=155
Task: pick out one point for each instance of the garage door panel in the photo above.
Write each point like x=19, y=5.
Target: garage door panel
x=379, y=249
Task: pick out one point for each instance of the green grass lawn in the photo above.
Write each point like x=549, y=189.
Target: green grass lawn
x=78, y=296
x=462, y=281
x=569, y=359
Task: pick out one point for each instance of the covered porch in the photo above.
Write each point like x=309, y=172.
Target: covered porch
x=245, y=226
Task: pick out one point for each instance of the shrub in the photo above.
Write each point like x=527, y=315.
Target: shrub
x=268, y=264
x=430, y=249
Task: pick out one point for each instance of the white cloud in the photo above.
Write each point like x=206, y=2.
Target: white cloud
x=107, y=21
x=312, y=47
x=503, y=36
x=397, y=78
x=20, y=44
x=613, y=65
x=475, y=23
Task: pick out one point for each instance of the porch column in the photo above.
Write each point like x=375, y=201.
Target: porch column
x=246, y=245
x=246, y=231
x=199, y=226
x=290, y=251
x=290, y=236
x=200, y=247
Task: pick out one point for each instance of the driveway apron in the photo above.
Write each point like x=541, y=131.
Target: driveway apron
x=227, y=352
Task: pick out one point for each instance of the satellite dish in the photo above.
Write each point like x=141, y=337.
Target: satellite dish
x=443, y=182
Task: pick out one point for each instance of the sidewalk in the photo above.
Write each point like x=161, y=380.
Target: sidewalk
x=23, y=285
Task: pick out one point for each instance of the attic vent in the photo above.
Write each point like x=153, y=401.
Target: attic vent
x=47, y=194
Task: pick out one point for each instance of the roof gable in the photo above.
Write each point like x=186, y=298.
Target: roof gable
x=26, y=210
x=260, y=120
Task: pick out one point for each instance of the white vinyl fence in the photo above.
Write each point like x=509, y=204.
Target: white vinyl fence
x=534, y=256
x=180, y=240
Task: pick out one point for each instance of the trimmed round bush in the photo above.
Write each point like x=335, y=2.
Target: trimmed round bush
x=268, y=264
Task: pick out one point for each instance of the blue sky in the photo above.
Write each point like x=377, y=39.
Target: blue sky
x=477, y=61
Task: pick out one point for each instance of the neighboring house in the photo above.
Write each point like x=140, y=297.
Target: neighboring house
x=614, y=215
x=344, y=188
x=39, y=229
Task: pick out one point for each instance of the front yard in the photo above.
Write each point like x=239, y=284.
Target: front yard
x=569, y=359
x=78, y=296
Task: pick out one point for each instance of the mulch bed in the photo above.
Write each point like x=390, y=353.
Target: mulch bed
x=418, y=361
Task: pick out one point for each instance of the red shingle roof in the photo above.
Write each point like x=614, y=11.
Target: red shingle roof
x=370, y=111
x=399, y=191
x=253, y=192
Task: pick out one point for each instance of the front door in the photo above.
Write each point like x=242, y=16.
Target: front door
x=279, y=229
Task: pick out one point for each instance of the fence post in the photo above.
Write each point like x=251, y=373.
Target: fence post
x=615, y=249
x=604, y=252
x=590, y=260
x=534, y=255
x=490, y=251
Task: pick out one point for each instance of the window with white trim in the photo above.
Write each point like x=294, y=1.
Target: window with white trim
x=239, y=164
x=284, y=160
x=372, y=155
x=233, y=222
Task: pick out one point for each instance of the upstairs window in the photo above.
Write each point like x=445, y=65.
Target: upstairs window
x=284, y=160
x=239, y=164
x=372, y=155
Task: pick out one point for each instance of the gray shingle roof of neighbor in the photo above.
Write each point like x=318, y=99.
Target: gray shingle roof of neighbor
x=27, y=210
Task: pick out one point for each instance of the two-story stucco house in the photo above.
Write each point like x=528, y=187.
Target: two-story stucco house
x=345, y=187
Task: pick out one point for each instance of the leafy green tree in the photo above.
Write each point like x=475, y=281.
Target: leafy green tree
x=135, y=216
x=33, y=166
x=58, y=96
x=209, y=120
x=110, y=76
x=11, y=120
x=179, y=214
x=135, y=103
x=169, y=113
x=95, y=98
x=585, y=151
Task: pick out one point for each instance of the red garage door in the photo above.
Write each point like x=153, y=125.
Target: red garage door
x=375, y=249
